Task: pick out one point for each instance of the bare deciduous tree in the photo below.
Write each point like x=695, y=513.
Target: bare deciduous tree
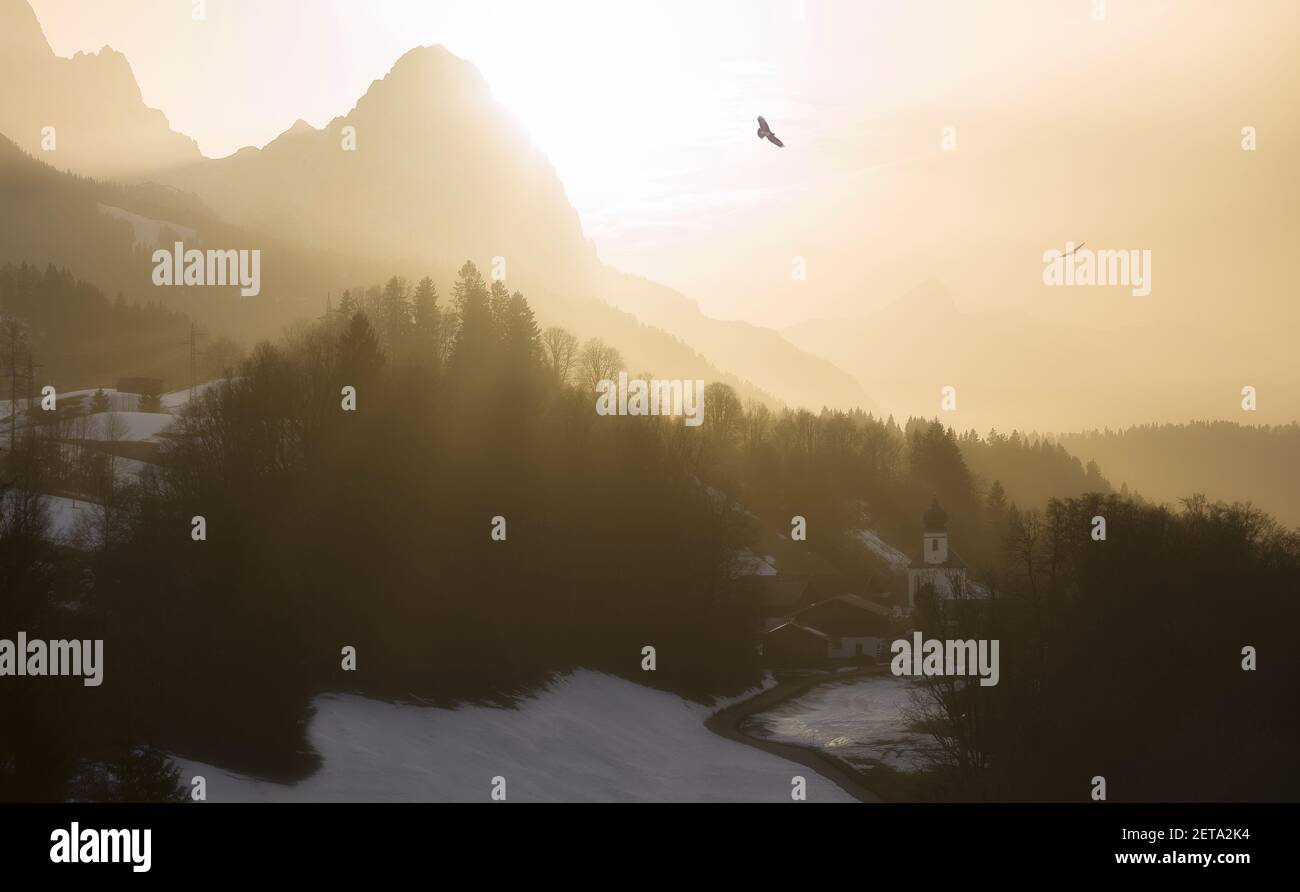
x=758, y=424
x=107, y=487
x=723, y=413
x=598, y=362
x=560, y=353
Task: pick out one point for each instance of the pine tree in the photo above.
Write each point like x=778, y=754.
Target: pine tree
x=395, y=312
x=424, y=310
x=347, y=306
x=360, y=356
x=996, y=503
x=499, y=303
x=475, y=334
x=521, y=334
x=937, y=463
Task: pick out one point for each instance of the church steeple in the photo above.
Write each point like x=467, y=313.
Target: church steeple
x=938, y=567
x=936, y=519
x=934, y=542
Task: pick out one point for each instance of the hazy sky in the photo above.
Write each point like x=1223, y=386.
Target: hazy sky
x=647, y=110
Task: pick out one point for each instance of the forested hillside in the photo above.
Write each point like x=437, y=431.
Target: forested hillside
x=49, y=217
x=470, y=526
x=1123, y=658
x=75, y=337
x=1224, y=459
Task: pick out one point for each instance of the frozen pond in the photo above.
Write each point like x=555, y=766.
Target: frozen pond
x=860, y=721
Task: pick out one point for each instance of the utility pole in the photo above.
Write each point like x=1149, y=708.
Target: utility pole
x=195, y=334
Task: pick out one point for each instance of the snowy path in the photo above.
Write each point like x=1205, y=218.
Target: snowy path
x=726, y=723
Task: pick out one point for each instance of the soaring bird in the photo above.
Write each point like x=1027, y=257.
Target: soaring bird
x=765, y=132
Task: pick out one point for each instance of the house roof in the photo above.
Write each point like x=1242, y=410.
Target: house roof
x=856, y=601
x=846, y=615
x=829, y=585
x=793, y=628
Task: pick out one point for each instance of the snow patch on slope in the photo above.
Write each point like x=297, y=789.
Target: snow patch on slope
x=748, y=563
x=587, y=737
x=71, y=521
x=146, y=230
x=179, y=399
x=133, y=427
x=871, y=540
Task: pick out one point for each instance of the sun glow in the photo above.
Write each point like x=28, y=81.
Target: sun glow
x=616, y=96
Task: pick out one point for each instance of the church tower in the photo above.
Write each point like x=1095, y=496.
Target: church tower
x=935, y=539
x=937, y=567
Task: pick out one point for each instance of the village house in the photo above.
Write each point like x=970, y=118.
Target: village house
x=790, y=645
x=768, y=600
x=819, y=619
x=845, y=627
x=771, y=599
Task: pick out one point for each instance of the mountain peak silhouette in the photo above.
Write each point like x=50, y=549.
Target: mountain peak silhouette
x=112, y=71
x=435, y=60
x=432, y=169
x=92, y=101
x=424, y=83
x=20, y=31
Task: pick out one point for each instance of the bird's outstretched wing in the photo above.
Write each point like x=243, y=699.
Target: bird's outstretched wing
x=762, y=123
x=772, y=138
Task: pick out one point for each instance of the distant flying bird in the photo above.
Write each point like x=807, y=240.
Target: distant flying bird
x=765, y=132
x=1076, y=247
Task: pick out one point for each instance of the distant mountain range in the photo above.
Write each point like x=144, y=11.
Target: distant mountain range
x=1044, y=375
x=439, y=175
x=101, y=126
x=106, y=232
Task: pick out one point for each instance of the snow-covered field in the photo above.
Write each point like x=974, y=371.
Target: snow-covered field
x=588, y=737
x=72, y=520
x=129, y=468
x=138, y=425
x=860, y=721
x=64, y=516
x=132, y=427
x=177, y=399
x=119, y=402
x=147, y=231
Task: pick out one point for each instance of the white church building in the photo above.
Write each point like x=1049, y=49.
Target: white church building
x=938, y=566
